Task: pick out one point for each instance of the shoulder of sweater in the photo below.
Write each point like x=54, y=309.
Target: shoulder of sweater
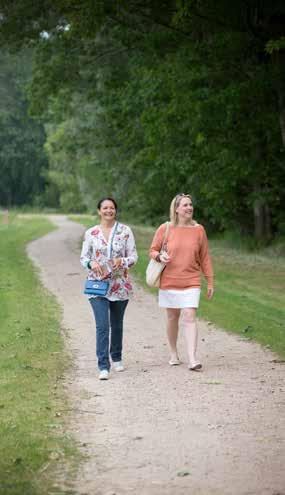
x=202, y=231
x=199, y=226
x=163, y=226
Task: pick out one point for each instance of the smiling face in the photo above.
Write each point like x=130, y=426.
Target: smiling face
x=107, y=210
x=184, y=209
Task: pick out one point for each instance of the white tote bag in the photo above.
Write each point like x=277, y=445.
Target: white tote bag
x=155, y=268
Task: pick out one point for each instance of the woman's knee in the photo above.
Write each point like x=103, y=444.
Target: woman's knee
x=173, y=315
x=189, y=315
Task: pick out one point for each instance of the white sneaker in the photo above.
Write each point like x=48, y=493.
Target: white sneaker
x=104, y=375
x=118, y=366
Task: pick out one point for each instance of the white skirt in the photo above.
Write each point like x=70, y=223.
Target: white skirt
x=187, y=298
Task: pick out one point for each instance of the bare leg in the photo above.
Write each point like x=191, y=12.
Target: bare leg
x=191, y=334
x=172, y=331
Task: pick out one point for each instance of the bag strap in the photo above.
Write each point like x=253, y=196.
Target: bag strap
x=113, y=235
x=165, y=235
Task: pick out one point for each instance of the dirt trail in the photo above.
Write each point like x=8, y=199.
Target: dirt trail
x=156, y=429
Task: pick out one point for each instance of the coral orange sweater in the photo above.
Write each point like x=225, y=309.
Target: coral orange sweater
x=189, y=254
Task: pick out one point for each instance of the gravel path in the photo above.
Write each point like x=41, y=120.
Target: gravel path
x=156, y=429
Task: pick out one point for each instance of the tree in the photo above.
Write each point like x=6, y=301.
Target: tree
x=22, y=160
x=142, y=99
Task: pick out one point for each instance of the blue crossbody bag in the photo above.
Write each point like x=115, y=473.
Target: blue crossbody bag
x=96, y=287
x=99, y=287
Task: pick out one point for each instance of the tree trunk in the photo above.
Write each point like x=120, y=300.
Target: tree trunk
x=258, y=219
x=281, y=103
x=279, y=59
x=262, y=219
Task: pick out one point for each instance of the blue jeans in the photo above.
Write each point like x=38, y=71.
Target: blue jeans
x=109, y=323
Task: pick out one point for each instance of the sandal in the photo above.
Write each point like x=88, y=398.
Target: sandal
x=195, y=367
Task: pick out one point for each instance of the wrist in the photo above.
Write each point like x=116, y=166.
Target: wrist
x=157, y=258
x=89, y=265
x=120, y=262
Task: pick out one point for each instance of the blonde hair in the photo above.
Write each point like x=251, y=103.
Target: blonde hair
x=174, y=205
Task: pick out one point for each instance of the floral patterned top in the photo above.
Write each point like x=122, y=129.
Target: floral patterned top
x=96, y=248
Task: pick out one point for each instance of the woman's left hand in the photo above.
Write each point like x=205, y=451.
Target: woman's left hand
x=117, y=263
x=210, y=292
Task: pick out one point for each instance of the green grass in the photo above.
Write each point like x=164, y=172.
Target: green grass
x=31, y=364
x=249, y=297
x=249, y=289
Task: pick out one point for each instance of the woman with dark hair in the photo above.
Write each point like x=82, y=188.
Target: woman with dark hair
x=186, y=257
x=108, y=252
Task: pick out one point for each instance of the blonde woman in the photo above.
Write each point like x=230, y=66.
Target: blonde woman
x=186, y=257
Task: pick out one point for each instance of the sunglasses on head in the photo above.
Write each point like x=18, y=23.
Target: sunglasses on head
x=181, y=195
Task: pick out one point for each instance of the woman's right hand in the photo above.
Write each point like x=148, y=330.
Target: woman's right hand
x=96, y=268
x=164, y=257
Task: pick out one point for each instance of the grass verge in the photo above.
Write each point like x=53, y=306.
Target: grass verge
x=32, y=362
x=249, y=289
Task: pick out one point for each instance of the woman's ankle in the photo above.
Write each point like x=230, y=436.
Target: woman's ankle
x=173, y=354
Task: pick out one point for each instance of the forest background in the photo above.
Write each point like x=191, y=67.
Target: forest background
x=144, y=99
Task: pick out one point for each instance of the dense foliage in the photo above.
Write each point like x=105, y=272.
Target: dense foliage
x=145, y=99
x=22, y=159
